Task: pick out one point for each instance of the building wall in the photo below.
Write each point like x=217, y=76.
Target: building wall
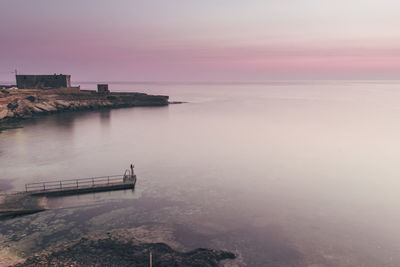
x=102, y=88
x=43, y=81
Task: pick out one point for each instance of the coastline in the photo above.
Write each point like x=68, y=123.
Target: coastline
x=115, y=251
x=19, y=104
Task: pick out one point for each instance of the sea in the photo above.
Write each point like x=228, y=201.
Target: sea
x=283, y=173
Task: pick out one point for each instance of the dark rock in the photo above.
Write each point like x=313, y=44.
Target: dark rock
x=13, y=104
x=112, y=252
x=111, y=97
x=31, y=98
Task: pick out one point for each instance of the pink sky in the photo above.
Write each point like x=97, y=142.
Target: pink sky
x=222, y=40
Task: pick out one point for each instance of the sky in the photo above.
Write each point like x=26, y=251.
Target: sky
x=207, y=40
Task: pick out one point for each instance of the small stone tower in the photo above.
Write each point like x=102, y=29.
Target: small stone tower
x=102, y=89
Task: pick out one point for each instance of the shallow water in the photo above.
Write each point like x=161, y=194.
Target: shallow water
x=285, y=173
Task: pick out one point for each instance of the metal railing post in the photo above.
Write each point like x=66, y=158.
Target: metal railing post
x=44, y=187
x=151, y=260
x=108, y=179
x=60, y=185
x=92, y=182
x=77, y=183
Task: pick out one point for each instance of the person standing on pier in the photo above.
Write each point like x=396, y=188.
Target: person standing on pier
x=132, y=166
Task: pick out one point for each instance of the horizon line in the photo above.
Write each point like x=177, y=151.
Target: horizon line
x=222, y=81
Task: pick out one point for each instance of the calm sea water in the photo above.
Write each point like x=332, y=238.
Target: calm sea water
x=297, y=173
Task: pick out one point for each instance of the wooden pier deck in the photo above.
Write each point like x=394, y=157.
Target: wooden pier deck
x=81, y=186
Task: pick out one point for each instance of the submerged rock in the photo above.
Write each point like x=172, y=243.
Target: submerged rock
x=19, y=204
x=113, y=252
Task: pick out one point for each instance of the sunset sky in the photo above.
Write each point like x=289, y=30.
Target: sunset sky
x=207, y=40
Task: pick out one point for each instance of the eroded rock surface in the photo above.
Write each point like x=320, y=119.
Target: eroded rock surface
x=20, y=104
x=114, y=252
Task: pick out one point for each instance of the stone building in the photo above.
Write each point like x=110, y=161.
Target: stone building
x=102, y=89
x=43, y=81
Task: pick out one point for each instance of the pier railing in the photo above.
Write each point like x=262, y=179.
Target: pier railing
x=62, y=185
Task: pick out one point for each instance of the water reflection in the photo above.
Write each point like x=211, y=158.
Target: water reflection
x=5, y=185
x=287, y=174
x=105, y=117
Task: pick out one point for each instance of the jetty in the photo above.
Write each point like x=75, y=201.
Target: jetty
x=82, y=185
x=30, y=200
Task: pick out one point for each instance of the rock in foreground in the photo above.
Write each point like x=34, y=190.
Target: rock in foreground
x=111, y=252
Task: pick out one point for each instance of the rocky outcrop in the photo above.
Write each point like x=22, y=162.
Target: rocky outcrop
x=113, y=252
x=20, y=104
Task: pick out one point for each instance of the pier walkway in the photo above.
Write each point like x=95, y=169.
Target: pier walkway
x=82, y=185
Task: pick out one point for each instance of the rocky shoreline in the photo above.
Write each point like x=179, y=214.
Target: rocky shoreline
x=17, y=104
x=114, y=252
